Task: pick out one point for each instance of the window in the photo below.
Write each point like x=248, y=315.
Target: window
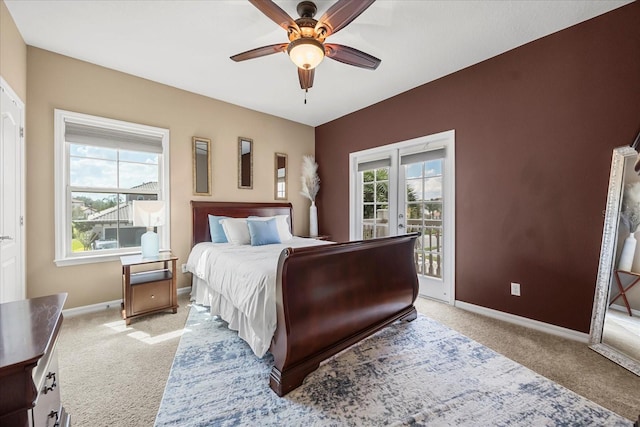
x=102, y=166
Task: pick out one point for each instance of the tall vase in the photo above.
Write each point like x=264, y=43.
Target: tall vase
x=313, y=219
x=628, y=252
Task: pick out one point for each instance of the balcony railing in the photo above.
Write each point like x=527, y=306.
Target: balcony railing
x=428, y=251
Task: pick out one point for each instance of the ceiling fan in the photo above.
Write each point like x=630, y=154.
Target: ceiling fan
x=307, y=36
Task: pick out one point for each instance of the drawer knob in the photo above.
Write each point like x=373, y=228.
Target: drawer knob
x=47, y=389
x=153, y=296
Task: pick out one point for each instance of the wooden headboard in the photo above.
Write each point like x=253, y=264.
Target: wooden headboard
x=201, y=210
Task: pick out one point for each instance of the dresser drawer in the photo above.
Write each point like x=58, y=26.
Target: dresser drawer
x=47, y=410
x=151, y=296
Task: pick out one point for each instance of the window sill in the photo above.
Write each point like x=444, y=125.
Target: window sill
x=94, y=259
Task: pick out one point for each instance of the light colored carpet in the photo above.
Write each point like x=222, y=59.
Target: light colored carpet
x=409, y=374
x=111, y=378
x=112, y=374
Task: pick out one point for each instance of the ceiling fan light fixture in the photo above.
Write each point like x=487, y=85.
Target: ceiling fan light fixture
x=306, y=52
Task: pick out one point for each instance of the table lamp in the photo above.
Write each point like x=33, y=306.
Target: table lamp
x=150, y=214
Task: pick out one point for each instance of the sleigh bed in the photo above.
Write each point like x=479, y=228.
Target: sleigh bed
x=327, y=296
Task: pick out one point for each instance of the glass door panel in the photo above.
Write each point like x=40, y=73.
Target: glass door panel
x=375, y=203
x=423, y=202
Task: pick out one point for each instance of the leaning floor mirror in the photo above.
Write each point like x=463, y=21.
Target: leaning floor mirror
x=615, y=323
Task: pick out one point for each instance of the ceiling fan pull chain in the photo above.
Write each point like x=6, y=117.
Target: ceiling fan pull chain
x=305, y=96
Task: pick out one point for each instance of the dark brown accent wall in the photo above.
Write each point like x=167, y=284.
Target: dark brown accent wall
x=534, y=133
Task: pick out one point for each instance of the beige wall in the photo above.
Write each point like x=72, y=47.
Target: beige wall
x=13, y=54
x=56, y=81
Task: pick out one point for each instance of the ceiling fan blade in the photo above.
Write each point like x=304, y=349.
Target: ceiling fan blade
x=260, y=51
x=306, y=77
x=276, y=14
x=351, y=56
x=341, y=14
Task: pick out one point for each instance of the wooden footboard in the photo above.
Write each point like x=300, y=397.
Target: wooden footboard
x=330, y=297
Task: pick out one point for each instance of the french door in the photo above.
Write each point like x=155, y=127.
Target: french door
x=409, y=187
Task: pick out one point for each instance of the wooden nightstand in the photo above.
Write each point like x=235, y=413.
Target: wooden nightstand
x=148, y=290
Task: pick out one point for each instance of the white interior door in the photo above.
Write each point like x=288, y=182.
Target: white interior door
x=12, y=286
x=409, y=187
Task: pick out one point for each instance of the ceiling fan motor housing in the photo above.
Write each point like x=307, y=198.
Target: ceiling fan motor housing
x=306, y=23
x=307, y=29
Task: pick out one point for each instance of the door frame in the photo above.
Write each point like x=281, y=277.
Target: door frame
x=21, y=183
x=440, y=140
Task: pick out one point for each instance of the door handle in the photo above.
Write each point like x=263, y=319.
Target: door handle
x=6, y=238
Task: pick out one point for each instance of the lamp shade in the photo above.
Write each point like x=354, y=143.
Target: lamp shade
x=148, y=213
x=306, y=52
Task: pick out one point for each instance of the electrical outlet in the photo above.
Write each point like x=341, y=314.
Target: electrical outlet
x=515, y=289
x=184, y=268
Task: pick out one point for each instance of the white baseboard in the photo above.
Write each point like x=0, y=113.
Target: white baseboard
x=623, y=309
x=523, y=321
x=70, y=312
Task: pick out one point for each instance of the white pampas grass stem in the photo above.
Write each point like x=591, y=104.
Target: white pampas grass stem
x=310, y=179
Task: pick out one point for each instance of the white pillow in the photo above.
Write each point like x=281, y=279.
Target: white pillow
x=236, y=230
x=282, y=222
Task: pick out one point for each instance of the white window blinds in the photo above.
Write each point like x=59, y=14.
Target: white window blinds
x=80, y=133
x=374, y=164
x=423, y=156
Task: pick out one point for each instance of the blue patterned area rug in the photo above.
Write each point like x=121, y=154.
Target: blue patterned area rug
x=410, y=374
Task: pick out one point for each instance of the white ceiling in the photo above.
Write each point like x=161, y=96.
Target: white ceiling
x=187, y=44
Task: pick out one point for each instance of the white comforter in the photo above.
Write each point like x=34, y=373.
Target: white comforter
x=238, y=284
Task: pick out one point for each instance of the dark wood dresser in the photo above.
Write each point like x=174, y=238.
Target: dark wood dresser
x=29, y=378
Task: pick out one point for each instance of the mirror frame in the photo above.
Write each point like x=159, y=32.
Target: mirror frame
x=195, y=141
x=240, y=141
x=607, y=257
x=286, y=176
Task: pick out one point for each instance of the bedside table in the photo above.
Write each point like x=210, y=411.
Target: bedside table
x=148, y=290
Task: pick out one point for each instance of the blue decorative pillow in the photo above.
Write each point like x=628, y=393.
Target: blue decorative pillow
x=282, y=222
x=215, y=228
x=263, y=232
